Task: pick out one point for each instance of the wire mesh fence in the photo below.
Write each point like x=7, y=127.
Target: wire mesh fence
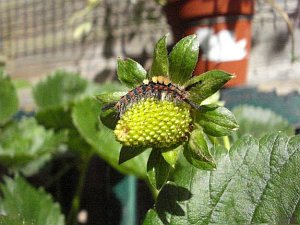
x=29, y=27
x=40, y=35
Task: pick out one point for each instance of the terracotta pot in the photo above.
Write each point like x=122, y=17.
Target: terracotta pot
x=224, y=31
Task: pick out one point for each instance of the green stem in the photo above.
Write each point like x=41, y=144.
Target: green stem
x=72, y=216
x=153, y=190
x=226, y=142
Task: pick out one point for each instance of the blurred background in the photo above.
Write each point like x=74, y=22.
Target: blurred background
x=259, y=41
x=39, y=36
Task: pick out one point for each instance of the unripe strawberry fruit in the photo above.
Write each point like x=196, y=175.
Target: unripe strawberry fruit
x=154, y=123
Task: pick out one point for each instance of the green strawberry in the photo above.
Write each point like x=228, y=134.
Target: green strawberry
x=154, y=123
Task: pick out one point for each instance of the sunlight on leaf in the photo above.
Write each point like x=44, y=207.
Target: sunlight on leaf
x=246, y=187
x=25, y=146
x=160, y=65
x=130, y=72
x=8, y=98
x=206, y=84
x=183, y=59
x=59, y=88
x=85, y=117
x=14, y=220
x=22, y=200
x=216, y=120
x=157, y=169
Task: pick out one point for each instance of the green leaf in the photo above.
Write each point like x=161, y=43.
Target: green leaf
x=202, y=86
x=131, y=73
x=166, y=203
x=60, y=88
x=258, y=121
x=183, y=59
x=8, y=100
x=297, y=214
x=25, y=146
x=171, y=156
x=128, y=153
x=216, y=121
x=109, y=114
x=85, y=118
x=55, y=117
x=160, y=65
x=257, y=182
x=107, y=87
x=157, y=169
x=213, y=100
x=197, y=152
x=33, y=206
x=106, y=98
x=77, y=144
x=110, y=117
x=21, y=84
x=152, y=218
x=14, y=220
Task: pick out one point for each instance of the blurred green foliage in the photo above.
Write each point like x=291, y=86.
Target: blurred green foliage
x=66, y=122
x=21, y=200
x=258, y=122
x=8, y=99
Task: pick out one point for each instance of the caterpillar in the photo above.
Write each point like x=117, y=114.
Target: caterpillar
x=158, y=87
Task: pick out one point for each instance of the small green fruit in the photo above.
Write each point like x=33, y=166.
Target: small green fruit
x=154, y=123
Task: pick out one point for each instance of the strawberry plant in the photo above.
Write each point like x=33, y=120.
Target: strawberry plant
x=199, y=176
x=203, y=163
x=163, y=111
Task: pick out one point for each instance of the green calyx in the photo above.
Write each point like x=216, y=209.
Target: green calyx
x=154, y=123
x=167, y=109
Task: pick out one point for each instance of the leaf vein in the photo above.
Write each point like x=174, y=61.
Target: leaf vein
x=269, y=180
x=209, y=217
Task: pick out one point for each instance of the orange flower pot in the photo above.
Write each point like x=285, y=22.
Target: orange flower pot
x=224, y=31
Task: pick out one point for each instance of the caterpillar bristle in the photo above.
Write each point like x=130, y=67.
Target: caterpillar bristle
x=109, y=106
x=146, y=81
x=166, y=81
x=193, y=104
x=154, y=79
x=159, y=88
x=160, y=79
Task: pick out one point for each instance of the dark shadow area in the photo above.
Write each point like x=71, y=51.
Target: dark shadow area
x=168, y=201
x=59, y=178
x=144, y=201
x=109, y=40
x=106, y=75
x=297, y=129
x=98, y=197
x=128, y=153
x=279, y=41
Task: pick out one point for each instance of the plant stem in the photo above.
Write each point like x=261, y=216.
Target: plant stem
x=226, y=142
x=152, y=189
x=72, y=216
x=288, y=22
